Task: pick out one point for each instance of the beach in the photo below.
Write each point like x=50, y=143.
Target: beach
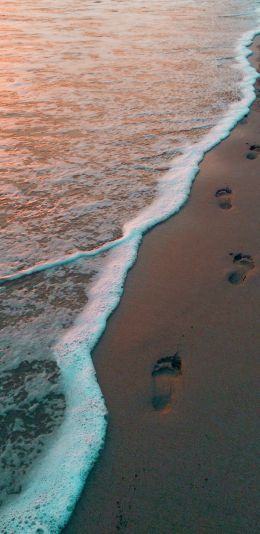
x=188, y=463
x=127, y=380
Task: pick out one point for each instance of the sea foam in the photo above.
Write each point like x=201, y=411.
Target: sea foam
x=55, y=483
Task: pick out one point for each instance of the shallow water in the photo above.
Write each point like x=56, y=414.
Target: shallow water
x=98, y=101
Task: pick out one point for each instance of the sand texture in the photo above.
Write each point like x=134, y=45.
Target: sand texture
x=178, y=364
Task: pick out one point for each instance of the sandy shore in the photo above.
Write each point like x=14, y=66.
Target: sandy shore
x=190, y=468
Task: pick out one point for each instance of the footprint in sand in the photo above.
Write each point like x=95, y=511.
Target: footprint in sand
x=224, y=196
x=253, y=151
x=244, y=263
x=164, y=373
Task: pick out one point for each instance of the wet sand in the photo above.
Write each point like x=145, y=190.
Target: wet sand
x=189, y=467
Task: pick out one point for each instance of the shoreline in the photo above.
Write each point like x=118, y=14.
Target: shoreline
x=137, y=223
x=165, y=472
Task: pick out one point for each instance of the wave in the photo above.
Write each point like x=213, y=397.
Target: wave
x=56, y=482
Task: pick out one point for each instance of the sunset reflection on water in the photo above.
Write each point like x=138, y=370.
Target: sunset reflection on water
x=96, y=100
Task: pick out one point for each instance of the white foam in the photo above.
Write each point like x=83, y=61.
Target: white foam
x=56, y=482
x=175, y=186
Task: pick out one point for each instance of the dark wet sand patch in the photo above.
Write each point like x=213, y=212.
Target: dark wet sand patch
x=32, y=407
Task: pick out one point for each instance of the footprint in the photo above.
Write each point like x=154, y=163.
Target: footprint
x=224, y=198
x=244, y=263
x=251, y=155
x=254, y=150
x=164, y=372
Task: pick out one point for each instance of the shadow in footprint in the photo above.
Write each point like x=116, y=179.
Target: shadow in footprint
x=164, y=372
x=253, y=151
x=245, y=263
x=224, y=196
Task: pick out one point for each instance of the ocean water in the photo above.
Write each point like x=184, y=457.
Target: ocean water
x=107, y=108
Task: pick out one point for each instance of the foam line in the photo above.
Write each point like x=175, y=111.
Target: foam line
x=65, y=260
x=45, y=504
x=183, y=172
